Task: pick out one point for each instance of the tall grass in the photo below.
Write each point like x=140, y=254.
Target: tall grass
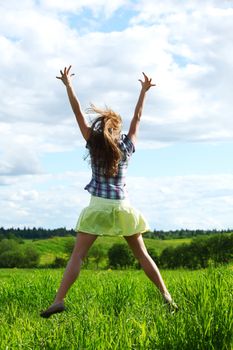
x=117, y=310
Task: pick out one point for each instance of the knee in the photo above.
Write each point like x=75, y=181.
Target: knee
x=142, y=255
x=79, y=253
x=78, y=256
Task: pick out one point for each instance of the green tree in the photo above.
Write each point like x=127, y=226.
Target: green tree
x=7, y=244
x=31, y=257
x=119, y=255
x=221, y=248
x=98, y=253
x=200, y=252
x=167, y=258
x=59, y=262
x=12, y=258
x=13, y=254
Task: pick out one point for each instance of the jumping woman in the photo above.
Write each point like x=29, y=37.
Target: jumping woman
x=109, y=211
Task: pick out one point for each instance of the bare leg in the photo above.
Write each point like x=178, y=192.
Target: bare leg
x=138, y=247
x=83, y=242
x=82, y=245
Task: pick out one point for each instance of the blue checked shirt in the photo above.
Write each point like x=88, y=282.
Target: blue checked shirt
x=112, y=187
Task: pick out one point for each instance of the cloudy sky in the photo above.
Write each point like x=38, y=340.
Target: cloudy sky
x=181, y=175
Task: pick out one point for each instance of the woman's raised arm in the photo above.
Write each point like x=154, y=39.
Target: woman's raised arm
x=134, y=125
x=74, y=102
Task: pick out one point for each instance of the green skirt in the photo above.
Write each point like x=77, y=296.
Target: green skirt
x=111, y=217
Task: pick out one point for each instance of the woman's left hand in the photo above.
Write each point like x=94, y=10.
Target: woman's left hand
x=147, y=83
x=66, y=76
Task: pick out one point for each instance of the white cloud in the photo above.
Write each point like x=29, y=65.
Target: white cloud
x=44, y=200
x=49, y=200
x=190, y=96
x=190, y=202
x=197, y=81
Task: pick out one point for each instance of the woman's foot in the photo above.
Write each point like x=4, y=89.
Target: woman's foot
x=53, y=309
x=173, y=307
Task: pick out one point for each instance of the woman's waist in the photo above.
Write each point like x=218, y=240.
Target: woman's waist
x=108, y=183
x=102, y=201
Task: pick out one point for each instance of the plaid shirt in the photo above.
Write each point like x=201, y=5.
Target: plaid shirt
x=112, y=187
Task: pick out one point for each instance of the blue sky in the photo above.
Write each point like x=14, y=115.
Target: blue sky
x=178, y=159
x=181, y=175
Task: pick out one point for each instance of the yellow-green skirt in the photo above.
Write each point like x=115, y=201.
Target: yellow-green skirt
x=111, y=217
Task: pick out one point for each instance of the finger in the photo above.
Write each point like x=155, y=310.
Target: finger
x=72, y=74
x=68, y=69
x=65, y=71
x=61, y=72
x=140, y=81
x=145, y=76
x=58, y=77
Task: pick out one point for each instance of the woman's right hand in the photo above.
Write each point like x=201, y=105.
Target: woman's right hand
x=66, y=76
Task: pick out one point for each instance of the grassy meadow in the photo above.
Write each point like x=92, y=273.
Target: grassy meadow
x=117, y=310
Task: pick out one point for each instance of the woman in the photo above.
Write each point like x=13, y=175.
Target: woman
x=109, y=211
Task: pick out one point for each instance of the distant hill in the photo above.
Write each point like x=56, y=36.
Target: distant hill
x=53, y=247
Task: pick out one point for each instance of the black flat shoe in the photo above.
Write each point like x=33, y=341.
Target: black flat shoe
x=54, y=309
x=172, y=306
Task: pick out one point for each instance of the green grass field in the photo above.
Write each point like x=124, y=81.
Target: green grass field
x=117, y=310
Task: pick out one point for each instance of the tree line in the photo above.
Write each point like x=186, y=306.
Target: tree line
x=200, y=253
x=184, y=233
x=42, y=233
x=35, y=233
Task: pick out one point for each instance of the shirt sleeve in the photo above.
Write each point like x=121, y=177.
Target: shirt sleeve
x=127, y=145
